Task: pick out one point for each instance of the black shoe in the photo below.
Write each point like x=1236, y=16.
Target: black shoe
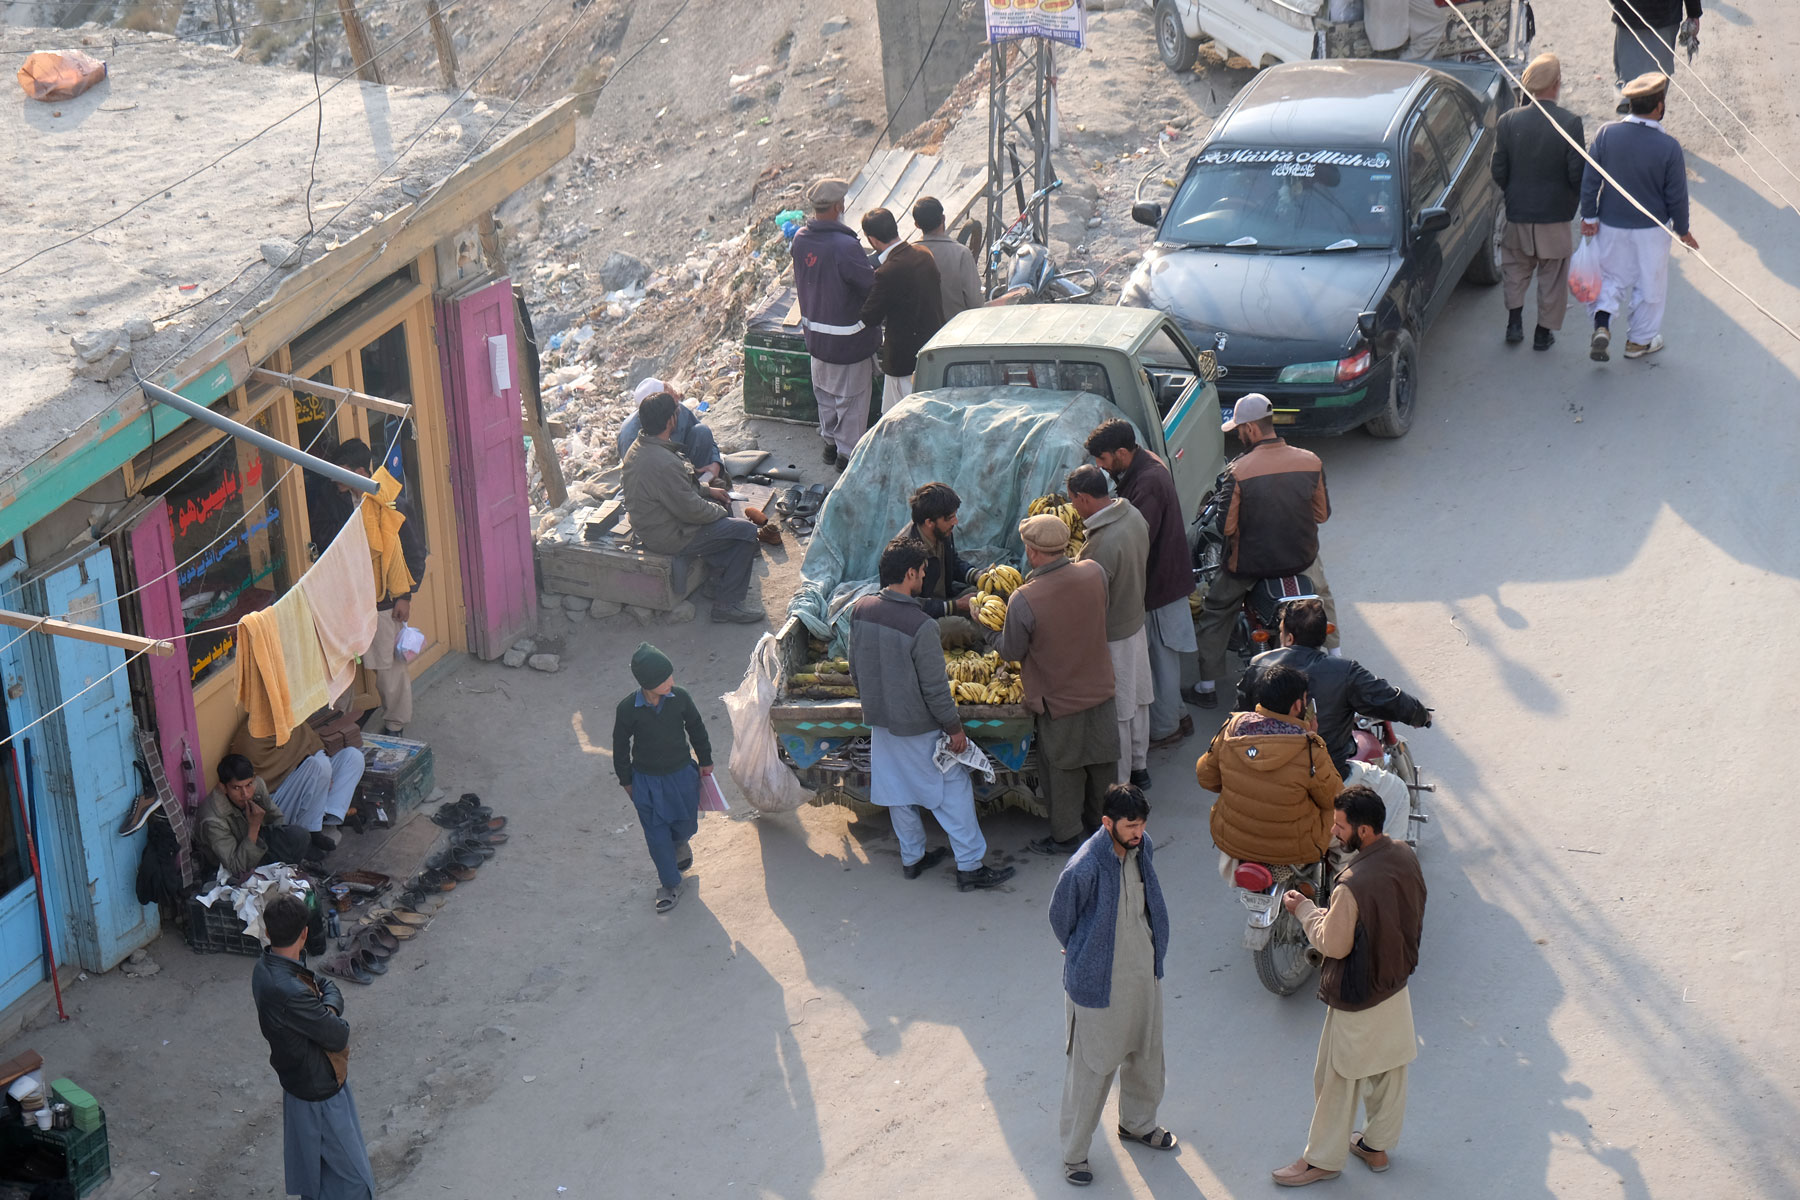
x=1140, y=779
x=722, y=614
x=841, y=464
x=1515, y=329
x=1049, y=845
x=831, y=455
x=928, y=860
x=1598, y=343
x=983, y=877
x=1200, y=699
x=1543, y=339
x=322, y=842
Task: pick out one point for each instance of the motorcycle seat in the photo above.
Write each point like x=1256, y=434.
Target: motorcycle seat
x=1368, y=746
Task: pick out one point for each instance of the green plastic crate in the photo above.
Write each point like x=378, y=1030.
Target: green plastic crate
x=87, y=1109
x=778, y=370
x=86, y=1152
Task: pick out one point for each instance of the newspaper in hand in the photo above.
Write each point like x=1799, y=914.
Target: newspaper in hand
x=971, y=757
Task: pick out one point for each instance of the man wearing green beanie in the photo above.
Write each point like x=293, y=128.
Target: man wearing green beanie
x=653, y=729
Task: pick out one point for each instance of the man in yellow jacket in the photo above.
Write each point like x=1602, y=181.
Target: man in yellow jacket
x=389, y=539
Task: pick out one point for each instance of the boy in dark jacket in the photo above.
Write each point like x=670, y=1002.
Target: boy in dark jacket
x=652, y=730
x=309, y=1047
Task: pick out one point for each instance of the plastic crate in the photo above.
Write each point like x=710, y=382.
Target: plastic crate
x=778, y=370
x=86, y=1154
x=217, y=930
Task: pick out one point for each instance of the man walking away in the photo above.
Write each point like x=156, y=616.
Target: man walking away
x=906, y=301
x=1119, y=540
x=898, y=667
x=1056, y=631
x=1540, y=173
x=1277, y=502
x=959, y=280
x=1109, y=915
x=1370, y=939
x=309, y=1046
x=832, y=278
x=1144, y=481
x=1634, y=249
x=672, y=514
x=1644, y=37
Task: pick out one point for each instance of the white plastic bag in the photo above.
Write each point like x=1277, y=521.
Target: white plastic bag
x=1584, y=272
x=409, y=642
x=756, y=764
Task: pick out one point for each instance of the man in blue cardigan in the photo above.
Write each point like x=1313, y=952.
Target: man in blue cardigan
x=1109, y=915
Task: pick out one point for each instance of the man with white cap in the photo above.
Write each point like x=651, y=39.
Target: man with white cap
x=833, y=278
x=1539, y=170
x=1634, y=249
x=694, y=440
x=1276, y=503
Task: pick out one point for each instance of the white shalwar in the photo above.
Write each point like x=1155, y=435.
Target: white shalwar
x=1634, y=271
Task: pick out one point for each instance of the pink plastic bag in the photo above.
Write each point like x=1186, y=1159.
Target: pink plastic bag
x=1584, y=272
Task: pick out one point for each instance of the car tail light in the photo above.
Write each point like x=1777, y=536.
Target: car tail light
x=1354, y=367
x=1330, y=628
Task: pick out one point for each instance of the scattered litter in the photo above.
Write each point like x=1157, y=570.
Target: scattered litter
x=529, y=1078
x=1579, y=850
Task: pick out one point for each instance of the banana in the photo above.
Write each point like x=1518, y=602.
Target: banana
x=992, y=613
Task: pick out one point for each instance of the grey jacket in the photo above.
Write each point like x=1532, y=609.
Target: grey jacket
x=666, y=505
x=1118, y=538
x=1539, y=173
x=897, y=662
x=959, y=281
x=223, y=831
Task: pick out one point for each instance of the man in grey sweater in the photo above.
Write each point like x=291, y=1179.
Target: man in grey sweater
x=897, y=663
x=1118, y=538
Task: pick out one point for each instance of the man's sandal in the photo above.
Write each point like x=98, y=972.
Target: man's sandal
x=1157, y=1139
x=667, y=898
x=1079, y=1174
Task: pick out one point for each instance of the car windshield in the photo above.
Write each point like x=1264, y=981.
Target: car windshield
x=1271, y=199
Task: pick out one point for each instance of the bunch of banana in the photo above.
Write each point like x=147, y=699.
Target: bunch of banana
x=828, y=666
x=963, y=667
x=976, y=693
x=1001, y=581
x=989, y=610
x=1046, y=504
x=1058, y=506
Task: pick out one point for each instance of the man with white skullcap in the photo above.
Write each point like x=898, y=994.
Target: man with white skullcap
x=694, y=440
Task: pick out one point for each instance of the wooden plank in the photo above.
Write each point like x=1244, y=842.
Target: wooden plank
x=542, y=448
x=362, y=52
x=446, y=49
x=293, y=383
x=85, y=633
x=875, y=194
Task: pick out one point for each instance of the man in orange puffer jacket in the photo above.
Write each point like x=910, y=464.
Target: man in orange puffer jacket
x=1274, y=777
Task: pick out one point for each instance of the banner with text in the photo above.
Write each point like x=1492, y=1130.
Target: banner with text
x=1062, y=21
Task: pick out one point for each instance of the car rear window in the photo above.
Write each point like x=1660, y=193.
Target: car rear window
x=1055, y=376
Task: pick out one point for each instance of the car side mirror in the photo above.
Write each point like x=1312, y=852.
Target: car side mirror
x=1147, y=214
x=1365, y=323
x=1431, y=220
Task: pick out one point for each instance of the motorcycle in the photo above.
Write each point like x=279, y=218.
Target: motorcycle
x=1034, y=278
x=1259, y=621
x=1284, y=959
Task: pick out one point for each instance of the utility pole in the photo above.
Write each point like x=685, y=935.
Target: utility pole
x=446, y=49
x=361, y=52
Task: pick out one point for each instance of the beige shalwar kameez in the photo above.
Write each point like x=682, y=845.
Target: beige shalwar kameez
x=1362, y=1055
x=1124, y=1037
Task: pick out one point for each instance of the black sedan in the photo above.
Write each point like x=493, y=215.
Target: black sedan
x=1322, y=226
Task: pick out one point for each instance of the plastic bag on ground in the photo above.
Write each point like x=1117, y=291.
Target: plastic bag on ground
x=756, y=764
x=1584, y=272
x=59, y=74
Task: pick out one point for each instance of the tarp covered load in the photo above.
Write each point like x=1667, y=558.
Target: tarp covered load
x=999, y=447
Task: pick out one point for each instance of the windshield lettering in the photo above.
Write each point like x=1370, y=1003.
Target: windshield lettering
x=1374, y=160
x=1287, y=200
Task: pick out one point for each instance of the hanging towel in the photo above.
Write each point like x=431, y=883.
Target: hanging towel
x=342, y=591
x=281, y=667
x=381, y=524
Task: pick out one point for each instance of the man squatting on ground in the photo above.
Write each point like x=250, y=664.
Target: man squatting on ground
x=949, y=578
x=832, y=278
x=1056, y=631
x=1119, y=540
x=897, y=663
x=653, y=729
x=1108, y=913
x=301, y=1016
x=240, y=828
x=1369, y=936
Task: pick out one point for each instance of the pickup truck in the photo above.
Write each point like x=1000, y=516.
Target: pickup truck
x=1266, y=32
x=1089, y=360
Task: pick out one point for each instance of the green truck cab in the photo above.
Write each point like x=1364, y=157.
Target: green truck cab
x=1135, y=360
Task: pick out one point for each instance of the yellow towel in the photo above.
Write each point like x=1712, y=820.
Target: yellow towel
x=381, y=523
x=281, y=669
x=342, y=592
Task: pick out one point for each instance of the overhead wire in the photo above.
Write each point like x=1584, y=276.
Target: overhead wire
x=629, y=58
x=1607, y=176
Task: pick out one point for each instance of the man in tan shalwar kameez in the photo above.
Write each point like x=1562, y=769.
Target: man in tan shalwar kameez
x=1369, y=936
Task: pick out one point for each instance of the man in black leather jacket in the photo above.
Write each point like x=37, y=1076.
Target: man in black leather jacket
x=309, y=1043
x=1340, y=687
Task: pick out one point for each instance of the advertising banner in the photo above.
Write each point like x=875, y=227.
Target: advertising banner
x=1062, y=21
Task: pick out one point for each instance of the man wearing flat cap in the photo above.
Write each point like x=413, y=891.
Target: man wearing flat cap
x=1644, y=36
x=1634, y=248
x=1056, y=630
x=1539, y=170
x=833, y=278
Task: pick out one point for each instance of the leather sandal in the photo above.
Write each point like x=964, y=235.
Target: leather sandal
x=1300, y=1173
x=344, y=966
x=403, y=916
x=460, y=873
x=1377, y=1160
x=433, y=880
x=369, y=962
x=469, y=845
x=1157, y=1139
x=379, y=939
x=1079, y=1174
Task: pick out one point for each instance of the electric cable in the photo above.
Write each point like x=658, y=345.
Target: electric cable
x=619, y=68
x=923, y=59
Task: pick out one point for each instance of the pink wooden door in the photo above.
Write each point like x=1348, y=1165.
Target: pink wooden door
x=479, y=349
x=171, y=683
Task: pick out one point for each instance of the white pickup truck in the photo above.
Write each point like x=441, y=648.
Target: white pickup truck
x=1265, y=32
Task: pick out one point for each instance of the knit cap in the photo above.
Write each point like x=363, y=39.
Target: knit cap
x=650, y=666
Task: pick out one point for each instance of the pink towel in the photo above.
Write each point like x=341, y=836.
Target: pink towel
x=341, y=589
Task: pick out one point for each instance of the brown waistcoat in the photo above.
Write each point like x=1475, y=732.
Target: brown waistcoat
x=1068, y=667
x=1390, y=914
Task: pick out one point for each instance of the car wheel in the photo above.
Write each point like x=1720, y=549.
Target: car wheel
x=1484, y=268
x=1396, y=416
x=1177, y=49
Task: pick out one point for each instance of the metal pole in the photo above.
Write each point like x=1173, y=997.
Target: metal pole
x=261, y=441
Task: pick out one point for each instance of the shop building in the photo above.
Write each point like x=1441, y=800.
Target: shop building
x=121, y=514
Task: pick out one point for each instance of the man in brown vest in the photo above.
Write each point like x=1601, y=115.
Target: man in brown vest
x=1370, y=939
x=1056, y=630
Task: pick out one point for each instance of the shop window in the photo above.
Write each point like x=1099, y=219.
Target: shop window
x=13, y=867
x=387, y=373
x=220, y=521
x=315, y=422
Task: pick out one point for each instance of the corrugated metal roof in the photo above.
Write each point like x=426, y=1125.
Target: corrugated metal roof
x=894, y=179
x=1117, y=328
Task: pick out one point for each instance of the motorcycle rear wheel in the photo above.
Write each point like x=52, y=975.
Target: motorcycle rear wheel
x=1400, y=762
x=1281, y=964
